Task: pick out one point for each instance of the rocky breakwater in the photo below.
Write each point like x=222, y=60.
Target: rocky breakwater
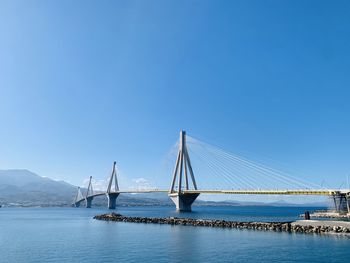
x=265, y=226
x=328, y=214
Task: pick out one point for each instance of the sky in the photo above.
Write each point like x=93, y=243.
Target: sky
x=86, y=83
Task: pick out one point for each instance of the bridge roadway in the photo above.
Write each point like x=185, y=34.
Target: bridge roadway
x=323, y=192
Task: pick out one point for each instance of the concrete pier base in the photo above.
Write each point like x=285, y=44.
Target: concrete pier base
x=341, y=203
x=88, y=201
x=77, y=204
x=183, y=202
x=112, y=200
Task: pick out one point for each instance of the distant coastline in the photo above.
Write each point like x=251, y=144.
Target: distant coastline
x=155, y=203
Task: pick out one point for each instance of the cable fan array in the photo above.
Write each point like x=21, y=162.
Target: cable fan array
x=216, y=169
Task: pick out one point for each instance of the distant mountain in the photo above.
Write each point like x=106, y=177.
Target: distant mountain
x=23, y=187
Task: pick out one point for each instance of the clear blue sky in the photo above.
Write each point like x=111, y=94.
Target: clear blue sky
x=84, y=83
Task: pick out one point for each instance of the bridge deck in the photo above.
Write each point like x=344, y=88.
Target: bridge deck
x=325, y=192
x=266, y=192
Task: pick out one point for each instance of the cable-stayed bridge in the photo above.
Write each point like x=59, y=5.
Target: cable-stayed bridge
x=242, y=175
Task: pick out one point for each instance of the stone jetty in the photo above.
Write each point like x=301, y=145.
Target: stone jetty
x=328, y=214
x=292, y=227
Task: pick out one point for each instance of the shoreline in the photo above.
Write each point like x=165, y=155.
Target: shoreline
x=301, y=226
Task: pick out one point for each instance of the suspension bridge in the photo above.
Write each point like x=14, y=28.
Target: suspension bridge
x=241, y=174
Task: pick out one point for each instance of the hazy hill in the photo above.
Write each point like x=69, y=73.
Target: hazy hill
x=27, y=188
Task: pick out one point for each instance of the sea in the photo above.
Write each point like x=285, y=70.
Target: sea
x=72, y=235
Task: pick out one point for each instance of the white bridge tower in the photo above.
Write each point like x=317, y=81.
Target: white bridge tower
x=113, y=191
x=183, y=170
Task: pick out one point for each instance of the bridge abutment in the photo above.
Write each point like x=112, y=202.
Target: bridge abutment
x=183, y=201
x=88, y=201
x=112, y=200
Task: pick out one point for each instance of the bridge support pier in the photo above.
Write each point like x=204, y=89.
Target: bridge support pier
x=112, y=200
x=183, y=201
x=88, y=201
x=342, y=203
x=77, y=204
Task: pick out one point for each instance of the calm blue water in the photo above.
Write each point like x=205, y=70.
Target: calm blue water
x=71, y=235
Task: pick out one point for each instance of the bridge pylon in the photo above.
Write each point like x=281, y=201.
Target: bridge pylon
x=89, y=195
x=182, y=170
x=77, y=198
x=113, y=192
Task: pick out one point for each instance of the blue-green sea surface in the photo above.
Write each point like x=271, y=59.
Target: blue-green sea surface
x=71, y=235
